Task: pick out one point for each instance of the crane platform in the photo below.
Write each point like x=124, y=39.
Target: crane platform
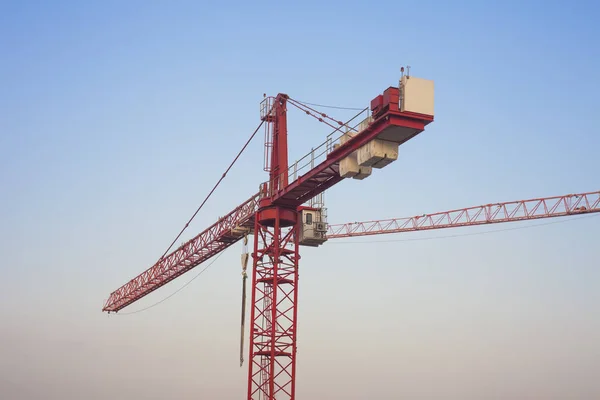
x=395, y=126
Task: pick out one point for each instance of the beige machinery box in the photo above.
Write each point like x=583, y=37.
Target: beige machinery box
x=313, y=230
x=416, y=95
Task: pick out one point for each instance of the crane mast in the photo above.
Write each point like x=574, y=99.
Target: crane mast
x=272, y=358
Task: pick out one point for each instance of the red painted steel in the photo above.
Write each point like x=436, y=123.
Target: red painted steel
x=522, y=210
x=271, y=370
x=207, y=244
x=272, y=367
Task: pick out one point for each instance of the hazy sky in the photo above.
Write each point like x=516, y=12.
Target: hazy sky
x=116, y=118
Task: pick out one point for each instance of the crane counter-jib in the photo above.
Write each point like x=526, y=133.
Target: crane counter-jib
x=393, y=126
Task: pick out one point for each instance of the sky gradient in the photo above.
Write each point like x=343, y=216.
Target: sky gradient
x=116, y=119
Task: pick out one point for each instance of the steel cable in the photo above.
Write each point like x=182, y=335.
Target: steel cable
x=212, y=191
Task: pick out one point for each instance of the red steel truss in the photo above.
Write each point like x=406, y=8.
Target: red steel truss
x=522, y=210
x=274, y=298
x=207, y=244
x=271, y=371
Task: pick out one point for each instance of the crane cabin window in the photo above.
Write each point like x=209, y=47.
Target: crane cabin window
x=308, y=218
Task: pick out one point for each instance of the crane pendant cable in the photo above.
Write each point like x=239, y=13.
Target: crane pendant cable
x=212, y=191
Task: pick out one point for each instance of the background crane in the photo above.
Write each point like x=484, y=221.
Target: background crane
x=288, y=212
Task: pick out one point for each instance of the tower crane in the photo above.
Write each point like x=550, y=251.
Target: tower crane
x=288, y=212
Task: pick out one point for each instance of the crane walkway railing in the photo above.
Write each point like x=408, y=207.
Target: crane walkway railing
x=319, y=154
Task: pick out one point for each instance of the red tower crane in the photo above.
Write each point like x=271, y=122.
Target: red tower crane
x=287, y=213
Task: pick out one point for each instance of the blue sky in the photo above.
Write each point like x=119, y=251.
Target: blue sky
x=117, y=118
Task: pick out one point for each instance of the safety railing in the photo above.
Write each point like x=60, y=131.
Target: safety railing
x=318, y=154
